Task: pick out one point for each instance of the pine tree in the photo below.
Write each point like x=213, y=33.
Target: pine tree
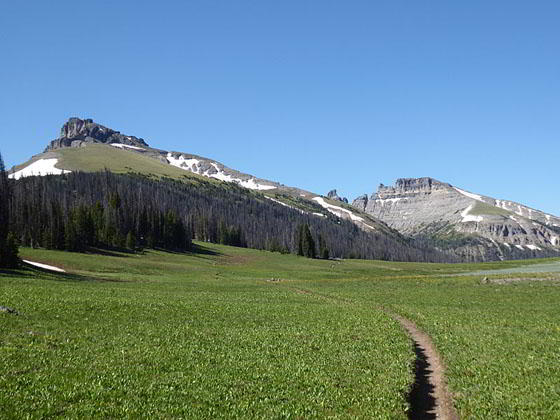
x=323, y=250
x=131, y=240
x=8, y=245
x=300, y=241
x=307, y=244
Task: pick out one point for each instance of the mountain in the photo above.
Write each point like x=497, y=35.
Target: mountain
x=470, y=225
x=208, y=196
x=418, y=218
x=86, y=146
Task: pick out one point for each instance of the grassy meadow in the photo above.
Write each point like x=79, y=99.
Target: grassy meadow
x=237, y=333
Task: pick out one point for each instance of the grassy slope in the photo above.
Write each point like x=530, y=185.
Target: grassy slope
x=207, y=336
x=97, y=157
x=481, y=208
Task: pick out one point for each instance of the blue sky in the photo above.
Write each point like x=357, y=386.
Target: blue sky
x=315, y=94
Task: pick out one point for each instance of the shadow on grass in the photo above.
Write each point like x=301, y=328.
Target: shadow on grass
x=112, y=252
x=202, y=250
x=118, y=252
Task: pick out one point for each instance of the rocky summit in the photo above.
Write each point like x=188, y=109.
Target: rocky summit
x=77, y=132
x=472, y=225
x=333, y=195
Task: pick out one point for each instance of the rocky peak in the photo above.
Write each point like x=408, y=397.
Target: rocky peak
x=405, y=186
x=468, y=224
x=334, y=196
x=75, y=132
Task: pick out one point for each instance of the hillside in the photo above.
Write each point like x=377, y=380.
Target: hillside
x=210, y=201
x=86, y=146
x=423, y=214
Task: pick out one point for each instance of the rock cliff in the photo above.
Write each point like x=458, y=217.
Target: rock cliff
x=76, y=132
x=474, y=226
x=333, y=195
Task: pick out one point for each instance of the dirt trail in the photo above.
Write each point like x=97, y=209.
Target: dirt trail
x=429, y=397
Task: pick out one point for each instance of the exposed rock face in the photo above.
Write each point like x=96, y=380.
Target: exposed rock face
x=77, y=132
x=474, y=226
x=334, y=196
x=361, y=202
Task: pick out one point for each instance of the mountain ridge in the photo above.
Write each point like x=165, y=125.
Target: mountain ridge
x=434, y=212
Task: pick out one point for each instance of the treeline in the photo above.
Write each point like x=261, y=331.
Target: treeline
x=79, y=210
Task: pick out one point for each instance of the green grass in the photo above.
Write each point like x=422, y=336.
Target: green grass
x=208, y=335
x=97, y=157
x=481, y=208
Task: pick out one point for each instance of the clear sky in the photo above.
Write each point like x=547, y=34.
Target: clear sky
x=316, y=94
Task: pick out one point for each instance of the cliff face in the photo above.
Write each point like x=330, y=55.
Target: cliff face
x=473, y=225
x=75, y=132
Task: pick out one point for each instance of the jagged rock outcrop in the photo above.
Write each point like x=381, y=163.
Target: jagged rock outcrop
x=361, y=202
x=475, y=226
x=77, y=132
x=333, y=195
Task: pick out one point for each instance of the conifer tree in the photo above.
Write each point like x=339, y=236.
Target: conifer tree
x=306, y=243
x=323, y=250
x=8, y=244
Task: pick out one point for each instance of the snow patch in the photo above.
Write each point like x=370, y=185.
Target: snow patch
x=468, y=217
x=533, y=247
x=127, y=146
x=45, y=266
x=284, y=204
x=193, y=165
x=508, y=245
x=294, y=208
x=468, y=194
x=520, y=247
x=252, y=184
x=338, y=211
x=40, y=167
x=500, y=255
x=182, y=163
x=554, y=240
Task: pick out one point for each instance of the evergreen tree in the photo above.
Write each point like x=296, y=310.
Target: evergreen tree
x=300, y=241
x=307, y=244
x=131, y=240
x=8, y=245
x=323, y=250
